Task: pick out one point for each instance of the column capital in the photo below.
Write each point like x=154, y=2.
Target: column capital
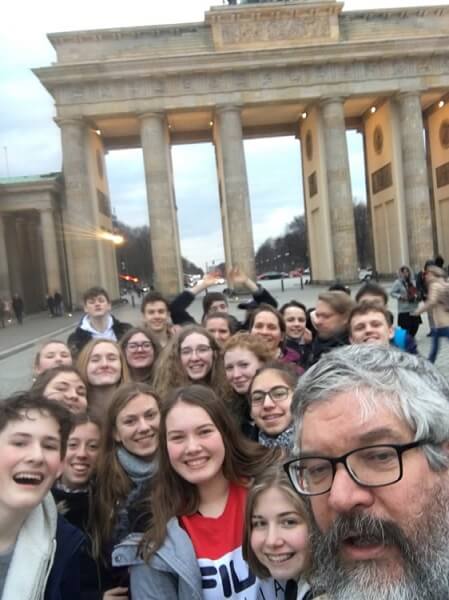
x=46, y=210
x=332, y=100
x=78, y=121
x=223, y=108
x=403, y=94
x=157, y=114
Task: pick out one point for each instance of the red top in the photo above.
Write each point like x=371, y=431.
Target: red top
x=218, y=547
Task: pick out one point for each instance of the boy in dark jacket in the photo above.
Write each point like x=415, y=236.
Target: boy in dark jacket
x=98, y=322
x=39, y=550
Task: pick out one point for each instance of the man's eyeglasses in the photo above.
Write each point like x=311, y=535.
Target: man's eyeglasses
x=136, y=345
x=276, y=393
x=371, y=466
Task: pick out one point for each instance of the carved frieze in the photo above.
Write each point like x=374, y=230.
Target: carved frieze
x=258, y=26
x=264, y=78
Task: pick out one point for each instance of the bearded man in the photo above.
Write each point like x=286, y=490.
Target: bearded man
x=372, y=434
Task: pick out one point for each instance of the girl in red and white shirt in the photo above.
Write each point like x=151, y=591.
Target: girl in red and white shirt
x=204, y=469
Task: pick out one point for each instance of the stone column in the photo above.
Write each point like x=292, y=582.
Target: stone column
x=80, y=214
x=51, y=257
x=416, y=186
x=13, y=247
x=5, y=291
x=339, y=189
x=234, y=192
x=162, y=210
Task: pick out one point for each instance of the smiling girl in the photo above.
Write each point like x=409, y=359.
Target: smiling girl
x=102, y=365
x=297, y=336
x=141, y=349
x=192, y=547
x=126, y=464
x=270, y=398
x=191, y=356
x=268, y=324
x=63, y=384
x=53, y=353
x=243, y=355
x=276, y=538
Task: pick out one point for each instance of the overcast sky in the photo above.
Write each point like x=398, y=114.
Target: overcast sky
x=32, y=142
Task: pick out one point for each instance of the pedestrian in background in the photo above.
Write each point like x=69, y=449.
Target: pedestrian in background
x=18, y=307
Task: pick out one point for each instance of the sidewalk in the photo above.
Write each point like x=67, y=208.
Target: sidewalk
x=38, y=327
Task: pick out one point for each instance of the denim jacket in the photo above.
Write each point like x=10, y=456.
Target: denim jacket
x=172, y=572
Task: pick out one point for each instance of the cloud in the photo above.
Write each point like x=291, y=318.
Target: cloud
x=33, y=142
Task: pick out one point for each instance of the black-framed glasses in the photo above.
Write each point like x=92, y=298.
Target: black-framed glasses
x=136, y=345
x=276, y=393
x=370, y=466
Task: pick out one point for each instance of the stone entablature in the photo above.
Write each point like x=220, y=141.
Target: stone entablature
x=162, y=40
x=192, y=38
x=263, y=84
x=30, y=193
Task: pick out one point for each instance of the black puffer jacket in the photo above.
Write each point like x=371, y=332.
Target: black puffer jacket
x=80, y=337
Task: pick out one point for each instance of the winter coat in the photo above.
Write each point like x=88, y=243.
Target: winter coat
x=80, y=337
x=74, y=506
x=172, y=572
x=321, y=346
x=45, y=562
x=404, y=294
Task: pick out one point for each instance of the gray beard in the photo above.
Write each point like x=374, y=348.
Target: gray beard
x=422, y=575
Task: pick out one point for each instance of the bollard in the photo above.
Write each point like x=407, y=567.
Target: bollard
x=282, y=284
x=302, y=283
x=133, y=301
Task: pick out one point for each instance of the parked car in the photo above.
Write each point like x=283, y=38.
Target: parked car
x=273, y=275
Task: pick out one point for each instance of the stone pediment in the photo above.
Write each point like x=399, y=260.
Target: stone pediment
x=274, y=25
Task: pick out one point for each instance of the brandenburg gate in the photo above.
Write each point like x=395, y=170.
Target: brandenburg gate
x=298, y=67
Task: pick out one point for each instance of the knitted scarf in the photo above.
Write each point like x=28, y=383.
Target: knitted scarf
x=140, y=472
x=281, y=440
x=137, y=469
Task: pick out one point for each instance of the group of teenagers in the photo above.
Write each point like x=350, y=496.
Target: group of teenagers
x=147, y=462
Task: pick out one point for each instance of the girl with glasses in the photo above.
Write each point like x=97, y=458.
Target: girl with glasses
x=276, y=535
x=192, y=548
x=141, y=349
x=191, y=356
x=270, y=397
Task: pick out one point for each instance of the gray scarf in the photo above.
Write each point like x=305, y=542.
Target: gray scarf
x=137, y=469
x=281, y=440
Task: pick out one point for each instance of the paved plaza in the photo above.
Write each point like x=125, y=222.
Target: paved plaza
x=18, y=344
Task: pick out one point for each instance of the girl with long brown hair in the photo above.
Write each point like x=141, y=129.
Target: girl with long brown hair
x=191, y=356
x=192, y=545
x=126, y=465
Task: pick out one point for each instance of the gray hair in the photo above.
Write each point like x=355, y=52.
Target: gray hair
x=410, y=385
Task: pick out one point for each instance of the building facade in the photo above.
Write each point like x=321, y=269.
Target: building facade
x=298, y=67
